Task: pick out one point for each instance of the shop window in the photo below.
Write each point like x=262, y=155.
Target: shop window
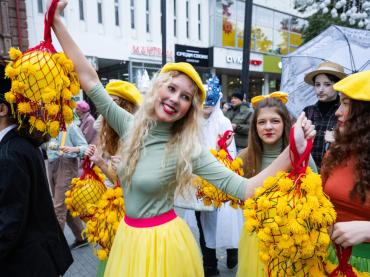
x=81, y=9
x=116, y=12
x=100, y=12
x=40, y=6
x=132, y=13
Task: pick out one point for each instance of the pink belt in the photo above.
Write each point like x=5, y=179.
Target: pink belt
x=150, y=221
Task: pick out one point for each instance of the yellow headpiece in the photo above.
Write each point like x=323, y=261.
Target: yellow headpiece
x=189, y=70
x=282, y=96
x=125, y=90
x=355, y=86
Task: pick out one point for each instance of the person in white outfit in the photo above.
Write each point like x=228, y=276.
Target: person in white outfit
x=221, y=227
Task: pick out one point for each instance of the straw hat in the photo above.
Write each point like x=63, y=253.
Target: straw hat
x=189, y=70
x=325, y=68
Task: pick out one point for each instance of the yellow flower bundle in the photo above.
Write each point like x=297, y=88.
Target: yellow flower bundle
x=85, y=190
x=291, y=219
x=104, y=221
x=43, y=84
x=208, y=193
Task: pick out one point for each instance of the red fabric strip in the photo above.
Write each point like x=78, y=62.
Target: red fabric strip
x=151, y=221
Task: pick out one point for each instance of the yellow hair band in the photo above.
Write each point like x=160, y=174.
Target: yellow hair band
x=282, y=96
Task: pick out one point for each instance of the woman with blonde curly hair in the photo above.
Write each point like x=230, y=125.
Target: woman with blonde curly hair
x=346, y=172
x=162, y=151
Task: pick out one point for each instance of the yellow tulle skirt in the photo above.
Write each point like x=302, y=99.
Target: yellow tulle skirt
x=167, y=250
x=249, y=263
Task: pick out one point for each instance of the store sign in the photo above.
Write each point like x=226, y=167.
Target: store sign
x=150, y=51
x=233, y=59
x=194, y=55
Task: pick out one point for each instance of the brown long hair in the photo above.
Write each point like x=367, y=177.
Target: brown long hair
x=252, y=156
x=109, y=139
x=353, y=141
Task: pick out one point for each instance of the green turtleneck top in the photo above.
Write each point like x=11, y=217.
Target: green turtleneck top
x=271, y=152
x=153, y=182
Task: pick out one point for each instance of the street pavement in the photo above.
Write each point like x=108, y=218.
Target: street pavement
x=85, y=263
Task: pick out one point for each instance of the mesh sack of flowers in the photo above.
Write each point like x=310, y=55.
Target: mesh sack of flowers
x=104, y=221
x=208, y=193
x=290, y=215
x=43, y=84
x=86, y=190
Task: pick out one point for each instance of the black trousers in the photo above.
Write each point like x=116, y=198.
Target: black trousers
x=209, y=254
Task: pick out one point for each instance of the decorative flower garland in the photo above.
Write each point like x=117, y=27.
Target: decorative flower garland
x=290, y=215
x=208, y=193
x=43, y=83
x=85, y=190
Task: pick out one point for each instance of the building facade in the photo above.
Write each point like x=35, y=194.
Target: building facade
x=122, y=38
x=13, y=26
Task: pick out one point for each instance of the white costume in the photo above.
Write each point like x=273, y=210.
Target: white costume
x=221, y=227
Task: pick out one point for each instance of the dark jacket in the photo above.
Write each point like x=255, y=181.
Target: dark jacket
x=31, y=241
x=323, y=122
x=241, y=116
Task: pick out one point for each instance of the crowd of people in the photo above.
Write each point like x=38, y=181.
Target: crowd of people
x=152, y=147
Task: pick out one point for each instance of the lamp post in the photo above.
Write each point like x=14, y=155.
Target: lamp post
x=246, y=47
x=164, y=33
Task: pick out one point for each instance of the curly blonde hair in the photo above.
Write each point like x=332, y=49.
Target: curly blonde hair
x=184, y=139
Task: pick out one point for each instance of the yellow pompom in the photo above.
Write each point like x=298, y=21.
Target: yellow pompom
x=52, y=109
x=14, y=53
x=24, y=107
x=67, y=113
x=74, y=88
x=102, y=254
x=11, y=72
x=53, y=128
x=48, y=95
x=10, y=97
x=40, y=125
x=67, y=95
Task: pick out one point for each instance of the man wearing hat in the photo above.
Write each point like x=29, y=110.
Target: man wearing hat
x=31, y=241
x=239, y=114
x=322, y=114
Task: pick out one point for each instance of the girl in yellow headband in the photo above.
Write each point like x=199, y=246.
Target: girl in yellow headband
x=268, y=136
x=346, y=173
x=162, y=151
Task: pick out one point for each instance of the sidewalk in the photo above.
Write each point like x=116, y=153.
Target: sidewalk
x=85, y=263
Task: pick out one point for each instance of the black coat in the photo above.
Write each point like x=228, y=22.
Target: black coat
x=31, y=240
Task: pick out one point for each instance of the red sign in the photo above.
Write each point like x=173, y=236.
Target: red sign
x=255, y=62
x=151, y=51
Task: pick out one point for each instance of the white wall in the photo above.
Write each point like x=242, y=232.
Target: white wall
x=111, y=42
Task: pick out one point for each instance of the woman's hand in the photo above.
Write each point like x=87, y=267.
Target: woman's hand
x=90, y=150
x=303, y=130
x=97, y=157
x=351, y=233
x=116, y=160
x=60, y=8
x=70, y=149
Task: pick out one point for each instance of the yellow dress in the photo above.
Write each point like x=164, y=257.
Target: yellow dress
x=165, y=250
x=249, y=264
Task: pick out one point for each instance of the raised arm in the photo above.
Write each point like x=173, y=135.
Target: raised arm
x=117, y=118
x=86, y=73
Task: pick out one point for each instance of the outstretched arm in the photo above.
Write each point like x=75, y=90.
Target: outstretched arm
x=86, y=73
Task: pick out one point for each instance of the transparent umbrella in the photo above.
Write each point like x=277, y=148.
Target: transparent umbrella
x=345, y=46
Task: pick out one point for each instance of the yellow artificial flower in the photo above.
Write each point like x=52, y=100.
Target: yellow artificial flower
x=11, y=72
x=14, y=53
x=10, y=97
x=24, y=108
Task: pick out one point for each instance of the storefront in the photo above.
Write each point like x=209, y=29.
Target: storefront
x=145, y=61
x=200, y=58
x=264, y=72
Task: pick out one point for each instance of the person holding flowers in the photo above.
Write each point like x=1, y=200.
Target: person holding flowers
x=162, y=151
x=346, y=175
x=268, y=136
x=31, y=241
